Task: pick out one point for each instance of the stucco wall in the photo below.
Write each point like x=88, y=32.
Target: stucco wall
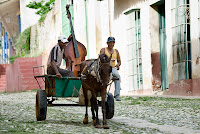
x=195, y=38
x=28, y=16
x=45, y=35
x=168, y=21
x=119, y=31
x=80, y=21
x=154, y=29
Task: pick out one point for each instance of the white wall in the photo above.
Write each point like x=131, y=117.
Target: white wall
x=91, y=28
x=154, y=29
x=80, y=21
x=195, y=38
x=168, y=22
x=118, y=31
x=45, y=35
x=28, y=16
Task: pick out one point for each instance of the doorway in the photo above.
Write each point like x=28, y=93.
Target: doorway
x=163, y=47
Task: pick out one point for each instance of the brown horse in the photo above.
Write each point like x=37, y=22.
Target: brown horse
x=97, y=73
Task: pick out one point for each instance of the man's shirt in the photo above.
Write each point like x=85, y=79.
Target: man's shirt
x=56, y=54
x=114, y=57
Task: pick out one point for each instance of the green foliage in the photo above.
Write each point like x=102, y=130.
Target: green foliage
x=34, y=90
x=42, y=8
x=22, y=45
x=13, y=58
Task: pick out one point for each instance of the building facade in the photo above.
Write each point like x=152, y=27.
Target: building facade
x=158, y=40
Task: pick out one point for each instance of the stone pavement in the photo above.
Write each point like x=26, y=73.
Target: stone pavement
x=134, y=114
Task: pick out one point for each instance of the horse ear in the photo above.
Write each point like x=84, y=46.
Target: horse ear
x=110, y=58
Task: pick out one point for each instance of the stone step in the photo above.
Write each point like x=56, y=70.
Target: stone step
x=2, y=82
x=2, y=73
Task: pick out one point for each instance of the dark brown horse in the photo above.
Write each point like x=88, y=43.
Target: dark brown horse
x=97, y=73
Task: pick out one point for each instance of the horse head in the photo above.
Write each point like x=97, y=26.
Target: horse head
x=104, y=69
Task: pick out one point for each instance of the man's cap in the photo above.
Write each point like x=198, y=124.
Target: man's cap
x=63, y=38
x=110, y=39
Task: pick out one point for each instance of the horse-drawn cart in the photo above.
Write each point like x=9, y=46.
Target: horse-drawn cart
x=95, y=77
x=62, y=88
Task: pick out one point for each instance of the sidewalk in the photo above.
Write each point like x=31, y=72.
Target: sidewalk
x=160, y=94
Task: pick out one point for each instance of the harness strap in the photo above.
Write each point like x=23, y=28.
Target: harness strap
x=88, y=71
x=94, y=70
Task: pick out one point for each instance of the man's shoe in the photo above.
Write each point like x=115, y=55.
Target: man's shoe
x=117, y=98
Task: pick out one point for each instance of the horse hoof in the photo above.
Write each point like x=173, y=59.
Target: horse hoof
x=97, y=126
x=106, y=126
x=85, y=121
x=94, y=122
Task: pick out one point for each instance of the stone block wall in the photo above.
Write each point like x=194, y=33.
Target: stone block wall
x=20, y=77
x=3, y=77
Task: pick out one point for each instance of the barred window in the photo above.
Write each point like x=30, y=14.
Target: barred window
x=181, y=40
x=134, y=49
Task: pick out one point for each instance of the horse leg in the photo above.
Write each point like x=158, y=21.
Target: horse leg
x=92, y=110
x=103, y=96
x=96, y=109
x=85, y=121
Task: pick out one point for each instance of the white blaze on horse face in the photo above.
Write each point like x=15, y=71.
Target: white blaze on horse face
x=93, y=74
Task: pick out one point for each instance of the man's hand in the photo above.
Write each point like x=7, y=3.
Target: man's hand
x=58, y=75
x=117, y=66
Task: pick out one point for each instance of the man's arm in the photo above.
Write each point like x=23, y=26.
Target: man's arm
x=102, y=51
x=118, y=60
x=53, y=65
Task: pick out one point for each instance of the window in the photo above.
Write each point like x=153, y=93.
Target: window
x=181, y=40
x=134, y=49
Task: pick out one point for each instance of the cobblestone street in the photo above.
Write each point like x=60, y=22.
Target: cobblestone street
x=154, y=115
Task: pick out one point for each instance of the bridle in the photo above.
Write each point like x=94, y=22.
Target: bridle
x=94, y=70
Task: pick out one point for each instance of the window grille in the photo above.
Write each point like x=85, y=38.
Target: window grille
x=134, y=49
x=181, y=40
